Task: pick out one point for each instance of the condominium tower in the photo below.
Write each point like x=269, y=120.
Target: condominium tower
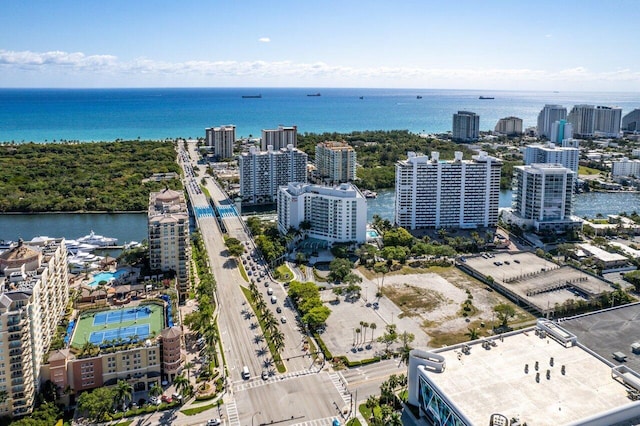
x=434, y=194
x=279, y=138
x=261, y=173
x=631, y=121
x=543, y=197
x=466, y=126
x=582, y=117
x=169, y=245
x=221, y=140
x=34, y=291
x=335, y=162
x=510, y=126
x=561, y=130
x=549, y=115
x=607, y=121
x=625, y=167
x=335, y=214
x=551, y=154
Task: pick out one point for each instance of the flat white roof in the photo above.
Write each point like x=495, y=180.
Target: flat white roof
x=493, y=380
x=603, y=255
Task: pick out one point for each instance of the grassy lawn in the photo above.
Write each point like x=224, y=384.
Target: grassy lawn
x=319, y=277
x=582, y=170
x=284, y=273
x=197, y=410
x=267, y=336
x=125, y=423
x=354, y=422
x=243, y=272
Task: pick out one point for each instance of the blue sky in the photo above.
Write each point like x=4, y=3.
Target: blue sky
x=517, y=45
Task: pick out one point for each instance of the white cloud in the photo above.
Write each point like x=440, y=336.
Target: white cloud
x=56, y=65
x=264, y=39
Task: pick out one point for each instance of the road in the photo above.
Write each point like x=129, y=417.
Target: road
x=315, y=394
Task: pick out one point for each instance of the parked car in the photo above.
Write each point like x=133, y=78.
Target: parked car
x=279, y=310
x=214, y=422
x=265, y=374
x=166, y=398
x=283, y=319
x=154, y=400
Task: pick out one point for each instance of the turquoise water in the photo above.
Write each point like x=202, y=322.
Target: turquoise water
x=107, y=114
x=372, y=234
x=105, y=276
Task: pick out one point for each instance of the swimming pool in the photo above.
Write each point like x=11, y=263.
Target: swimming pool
x=106, y=276
x=372, y=233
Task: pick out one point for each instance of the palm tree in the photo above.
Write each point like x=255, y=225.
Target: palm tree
x=373, y=327
x=371, y=404
x=277, y=338
x=364, y=325
x=155, y=390
x=181, y=383
x=188, y=366
x=358, y=335
x=123, y=392
x=261, y=305
x=395, y=419
x=472, y=334
x=270, y=322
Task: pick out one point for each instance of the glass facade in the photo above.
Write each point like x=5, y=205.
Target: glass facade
x=434, y=408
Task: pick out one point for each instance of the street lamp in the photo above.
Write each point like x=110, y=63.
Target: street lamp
x=254, y=415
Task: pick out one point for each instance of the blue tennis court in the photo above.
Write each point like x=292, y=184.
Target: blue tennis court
x=124, y=333
x=203, y=211
x=121, y=315
x=227, y=211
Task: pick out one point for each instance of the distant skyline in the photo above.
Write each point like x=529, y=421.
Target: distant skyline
x=586, y=45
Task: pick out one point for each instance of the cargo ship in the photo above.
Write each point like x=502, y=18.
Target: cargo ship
x=251, y=96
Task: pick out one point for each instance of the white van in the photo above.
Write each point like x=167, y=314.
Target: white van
x=245, y=373
x=274, y=300
x=269, y=291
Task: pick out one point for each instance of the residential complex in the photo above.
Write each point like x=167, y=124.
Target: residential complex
x=221, y=140
x=168, y=230
x=582, y=118
x=334, y=214
x=279, y=138
x=466, y=126
x=631, y=121
x=549, y=115
x=543, y=197
x=335, y=162
x=607, y=121
x=431, y=193
x=551, y=154
x=510, y=126
x=262, y=173
x=561, y=130
x=625, y=167
x=581, y=371
x=34, y=291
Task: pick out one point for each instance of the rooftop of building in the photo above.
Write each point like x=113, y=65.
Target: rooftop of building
x=510, y=378
x=601, y=254
x=343, y=190
x=20, y=252
x=336, y=146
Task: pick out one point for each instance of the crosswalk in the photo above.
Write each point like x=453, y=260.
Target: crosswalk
x=227, y=211
x=233, y=419
x=203, y=211
x=327, y=421
x=239, y=386
x=339, y=383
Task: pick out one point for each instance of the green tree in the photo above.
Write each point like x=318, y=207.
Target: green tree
x=235, y=248
x=472, y=334
x=504, y=312
x=181, y=383
x=316, y=317
x=405, y=339
x=123, y=392
x=339, y=268
x=389, y=337
x=96, y=404
x=155, y=390
x=397, y=237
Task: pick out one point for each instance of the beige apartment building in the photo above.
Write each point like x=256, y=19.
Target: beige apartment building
x=169, y=246
x=34, y=291
x=335, y=162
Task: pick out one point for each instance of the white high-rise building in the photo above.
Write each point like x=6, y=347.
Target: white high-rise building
x=543, y=197
x=263, y=172
x=466, y=126
x=221, y=140
x=631, y=121
x=582, y=117
x=279, y=138
x=549, y=115
x=625, y=167
x=169, y=244
x=335, y=162
x=335, y=214
x=551, y=154
x=434, y=194
x=561, y=130
x=510, y=126
x=607, y=121
x=34, y=292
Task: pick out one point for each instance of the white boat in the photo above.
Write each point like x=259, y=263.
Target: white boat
x=83, y=261
x=132, y=244
x=73, y=246
x=98, y=240
x=369, y=194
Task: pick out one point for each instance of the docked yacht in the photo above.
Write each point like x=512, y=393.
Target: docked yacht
x=98, y=240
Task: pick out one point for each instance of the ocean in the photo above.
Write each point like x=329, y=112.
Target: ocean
x=47, y=115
